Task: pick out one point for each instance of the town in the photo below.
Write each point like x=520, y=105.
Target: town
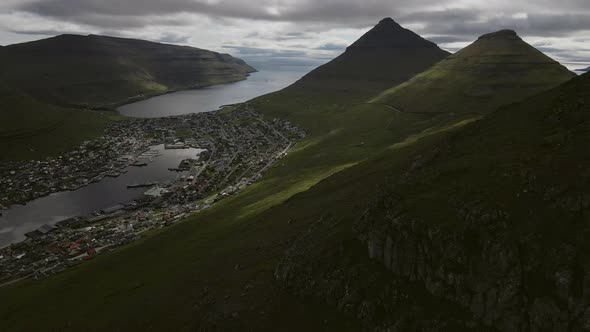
x=237, y=146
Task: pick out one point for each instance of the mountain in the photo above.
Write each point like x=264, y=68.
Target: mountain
x=497, y=69
x=221, y=263
x=45, y=85
x=310, y=245
x=586, y=69
x=482, y=229
x=99, y=70
x=386, y=55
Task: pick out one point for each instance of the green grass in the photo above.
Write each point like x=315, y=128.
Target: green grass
x=158, y=282
x=31, y=130
x=46, y=85
x=221, y=261
x=490, y=73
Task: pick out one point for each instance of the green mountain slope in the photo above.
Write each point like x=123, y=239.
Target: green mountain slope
x=383, y=57
x=228, y=268
x=200, y=268
x=497, y=69
x=482, y=229
x=99, y=70
x=43, y=83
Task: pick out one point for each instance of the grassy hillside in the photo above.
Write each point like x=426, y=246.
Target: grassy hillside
x=217, y=269
x=44, y=83
x=193, y=267
x=103, y=71
x=492, y=219
x=497, y=69
x=30, y=129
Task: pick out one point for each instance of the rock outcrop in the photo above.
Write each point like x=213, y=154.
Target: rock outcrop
x=486, y=229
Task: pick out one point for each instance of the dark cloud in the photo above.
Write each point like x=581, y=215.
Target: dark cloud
x=265, y=58
x=266, y=52
x=544, y=17
x=173, y=38
x=448, y=39
x=43, y=32
x=442, y=21
x=129, y=13
x=461, y=23
x=332, y=47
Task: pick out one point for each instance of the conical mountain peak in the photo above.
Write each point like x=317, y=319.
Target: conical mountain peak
x=506, y=34
x=496, y=47
x=389, y=34
x=386, y=55
x=388, y=21
x=497, y=69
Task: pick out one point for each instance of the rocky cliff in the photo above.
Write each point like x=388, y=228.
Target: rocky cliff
x=485, y=230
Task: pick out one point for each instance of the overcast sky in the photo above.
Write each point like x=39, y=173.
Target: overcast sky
x=302, y=31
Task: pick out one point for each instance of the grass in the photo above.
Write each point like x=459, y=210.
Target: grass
x=487, y=74
x=46, y=86
x=31, y=130
x=215, y=270
x=237, y=242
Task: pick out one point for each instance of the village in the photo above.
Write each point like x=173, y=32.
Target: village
x=237, y=146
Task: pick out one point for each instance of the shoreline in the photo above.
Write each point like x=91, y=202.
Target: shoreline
x=112, y=107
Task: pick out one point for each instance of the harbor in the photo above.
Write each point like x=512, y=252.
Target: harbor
x=222, y=154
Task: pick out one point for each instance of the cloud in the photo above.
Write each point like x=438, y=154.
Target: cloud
x=255, y=51
x=173, y=38
x=314, y=28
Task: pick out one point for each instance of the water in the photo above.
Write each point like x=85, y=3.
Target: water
x=19, y=220
x=211, y=98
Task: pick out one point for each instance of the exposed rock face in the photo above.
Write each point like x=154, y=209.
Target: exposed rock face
x=488, y=225
x=427, y=277
x=501, y=280
x=506, y=33
x=343, y=277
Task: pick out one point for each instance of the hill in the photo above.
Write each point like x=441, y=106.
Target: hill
x=216, y=269
x=386, y=55
x=103, y=71
x=483, y=228
x=43, y=83
x=285, y=253
x=497, y=69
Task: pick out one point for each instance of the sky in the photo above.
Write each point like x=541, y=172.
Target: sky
x=302, y=32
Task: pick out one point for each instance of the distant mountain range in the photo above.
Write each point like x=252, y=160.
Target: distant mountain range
x=585, y=69
x=43, y=82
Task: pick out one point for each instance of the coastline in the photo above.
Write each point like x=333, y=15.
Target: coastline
x=112, y=107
